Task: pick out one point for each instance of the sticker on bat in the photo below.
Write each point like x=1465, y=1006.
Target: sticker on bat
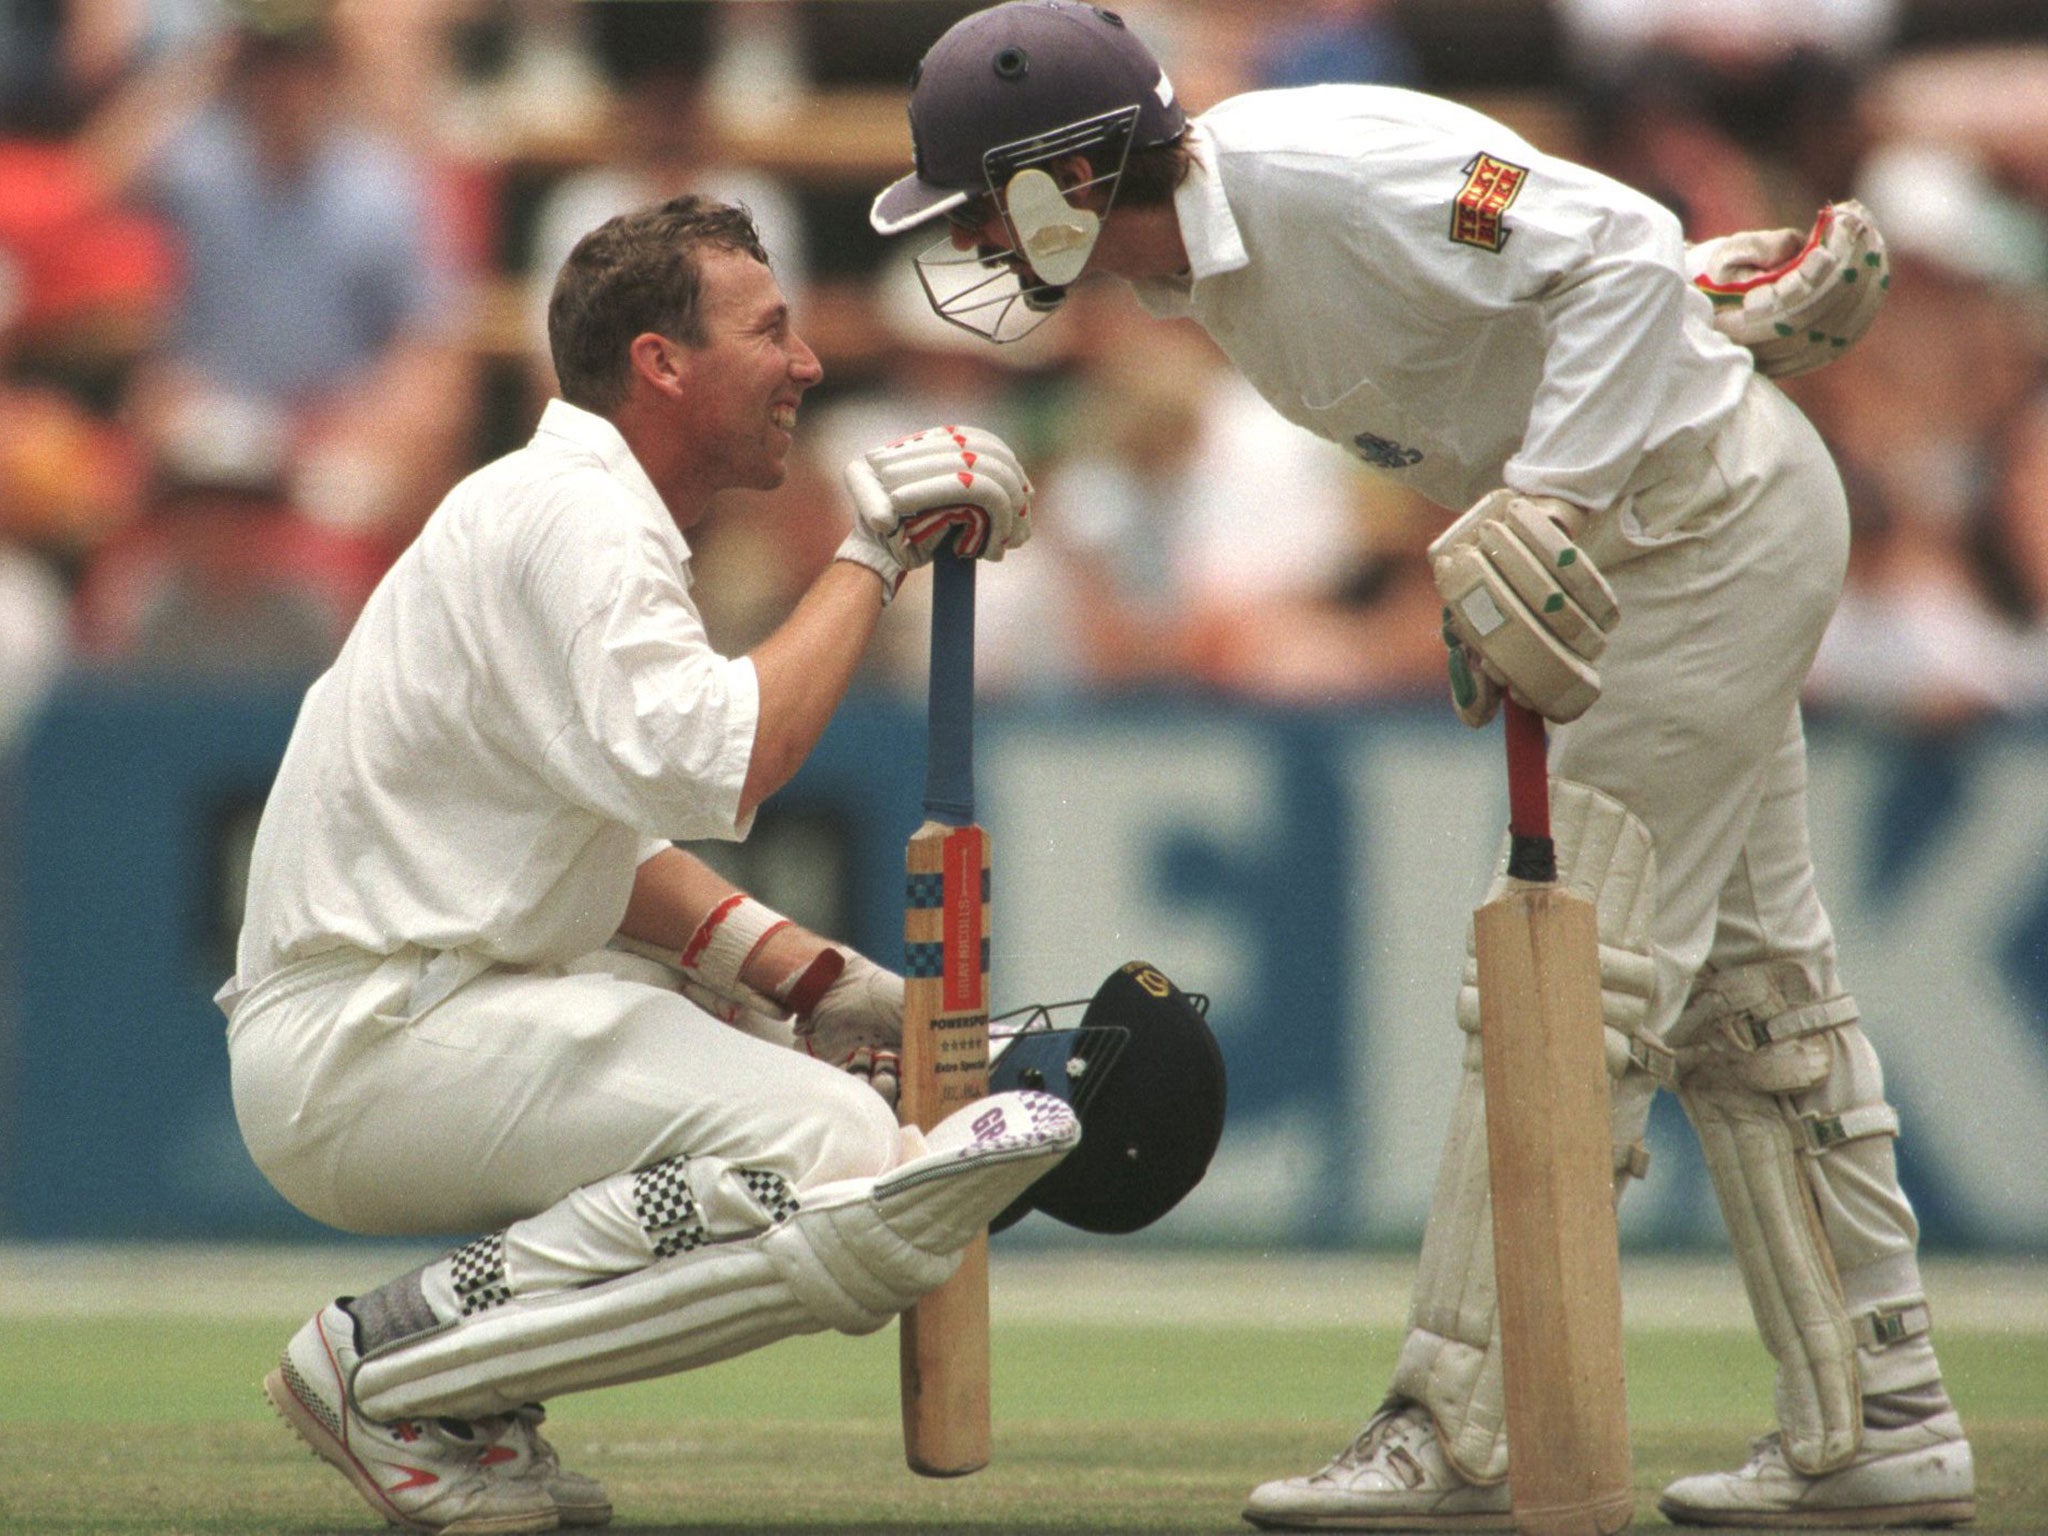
x=963, y=910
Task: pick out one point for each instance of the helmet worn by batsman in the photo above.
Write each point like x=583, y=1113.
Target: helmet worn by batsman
x=1143, y=1073
x=1028, y=110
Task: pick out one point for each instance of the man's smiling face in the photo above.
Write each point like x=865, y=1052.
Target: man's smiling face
x=747, y=377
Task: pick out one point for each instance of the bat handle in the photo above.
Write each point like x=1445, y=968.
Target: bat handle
x=1532, y=855
x=949, y=760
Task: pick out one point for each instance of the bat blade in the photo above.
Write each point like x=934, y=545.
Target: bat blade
x=945, y=1348
x=1556, y=1257
x=944, y=1338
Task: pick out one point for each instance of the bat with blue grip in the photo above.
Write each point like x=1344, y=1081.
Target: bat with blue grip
x=944, y=1338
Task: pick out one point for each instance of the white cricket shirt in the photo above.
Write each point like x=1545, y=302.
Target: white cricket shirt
x=1416, y=283
x=526, y=706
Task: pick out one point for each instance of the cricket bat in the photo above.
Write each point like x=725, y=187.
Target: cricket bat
x=945, y=1351
x=1557, y=1264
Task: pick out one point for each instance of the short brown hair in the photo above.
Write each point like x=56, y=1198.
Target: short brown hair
x=633, y=274
x=1153, y=173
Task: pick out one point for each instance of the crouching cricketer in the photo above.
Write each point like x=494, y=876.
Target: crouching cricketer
x=428, y=1031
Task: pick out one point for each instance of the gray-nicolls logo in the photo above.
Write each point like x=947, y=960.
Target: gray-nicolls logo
x=1384, y=452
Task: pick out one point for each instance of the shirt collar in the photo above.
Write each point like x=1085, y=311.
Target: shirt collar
x=593, y=434
x=1208, y=230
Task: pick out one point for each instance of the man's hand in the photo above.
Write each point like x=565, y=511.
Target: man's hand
x=1796, y=301
x=857, y=1024
x=911, y=495
x=1524, y=602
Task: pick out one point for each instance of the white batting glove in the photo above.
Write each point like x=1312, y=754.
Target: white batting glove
x=857, y=1024
x=1796, y=301
x=1524, y=601
x=911, y=496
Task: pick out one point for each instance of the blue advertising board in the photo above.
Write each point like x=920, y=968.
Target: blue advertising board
x=1311, y=871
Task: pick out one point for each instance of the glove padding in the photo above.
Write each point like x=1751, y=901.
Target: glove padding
x=912, y=496
x=1524, y=602
x=1796, y=301
x=857, y=1024
x=1475, y=697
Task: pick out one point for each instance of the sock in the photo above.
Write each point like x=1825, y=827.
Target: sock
x=395, y=1310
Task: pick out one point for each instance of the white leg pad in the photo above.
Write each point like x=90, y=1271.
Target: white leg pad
x=1750, y=1042
x=1450, y=1360
x=691, y=1310
x=853, y=1256
x=1605, y=854
x=862, y=1250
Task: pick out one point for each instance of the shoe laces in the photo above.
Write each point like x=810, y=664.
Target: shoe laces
x=1766, y=1449
x=470, y=1436
x=1383, y=1433
x=528, y=1418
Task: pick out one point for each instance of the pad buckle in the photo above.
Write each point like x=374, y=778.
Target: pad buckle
x=1882, y=1327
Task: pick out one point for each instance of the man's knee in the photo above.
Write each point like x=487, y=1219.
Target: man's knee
x=849, y=1133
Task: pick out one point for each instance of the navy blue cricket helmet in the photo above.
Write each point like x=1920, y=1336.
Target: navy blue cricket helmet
x=1143, y=1072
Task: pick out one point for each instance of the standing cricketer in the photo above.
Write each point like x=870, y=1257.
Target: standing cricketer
x=427, y=1030
x=1652, y=540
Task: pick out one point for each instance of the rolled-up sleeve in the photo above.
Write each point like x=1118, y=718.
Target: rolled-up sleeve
x=648, y=725
x=667, y=724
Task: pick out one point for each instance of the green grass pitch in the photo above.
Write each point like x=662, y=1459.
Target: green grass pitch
x=1145, y=1396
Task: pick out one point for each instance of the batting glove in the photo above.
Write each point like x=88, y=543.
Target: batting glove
x=1525, y=602
x=857, y=1024
x=1796, y=301
x=946, y=484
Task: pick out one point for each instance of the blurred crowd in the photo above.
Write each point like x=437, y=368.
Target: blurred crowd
x=272, y=277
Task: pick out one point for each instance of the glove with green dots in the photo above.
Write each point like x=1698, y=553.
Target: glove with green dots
x=1525, y=610
x=1796, y=301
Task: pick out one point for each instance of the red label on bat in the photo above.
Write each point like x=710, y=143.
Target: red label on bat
x=961, y=913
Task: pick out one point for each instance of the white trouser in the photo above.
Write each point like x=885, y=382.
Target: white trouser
x=1727, y=566
x=375, y=1107
x=1724, y=596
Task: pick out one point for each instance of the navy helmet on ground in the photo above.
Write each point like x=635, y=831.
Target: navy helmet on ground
x=1144, y=1074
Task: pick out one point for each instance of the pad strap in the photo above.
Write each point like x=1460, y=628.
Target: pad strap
x=1759, y=1006
x=1824, y=1132
x=1882, y=1327
x=1633, y=1160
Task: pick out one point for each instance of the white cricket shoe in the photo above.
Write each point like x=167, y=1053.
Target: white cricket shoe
x=523, y=1454
x=1392, y=1477
x=416, y=1473
x=1917, y=1474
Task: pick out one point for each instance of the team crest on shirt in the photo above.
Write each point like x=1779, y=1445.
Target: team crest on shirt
x=1490, y=186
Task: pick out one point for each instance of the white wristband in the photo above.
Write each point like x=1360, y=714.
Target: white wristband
x=727, y=938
